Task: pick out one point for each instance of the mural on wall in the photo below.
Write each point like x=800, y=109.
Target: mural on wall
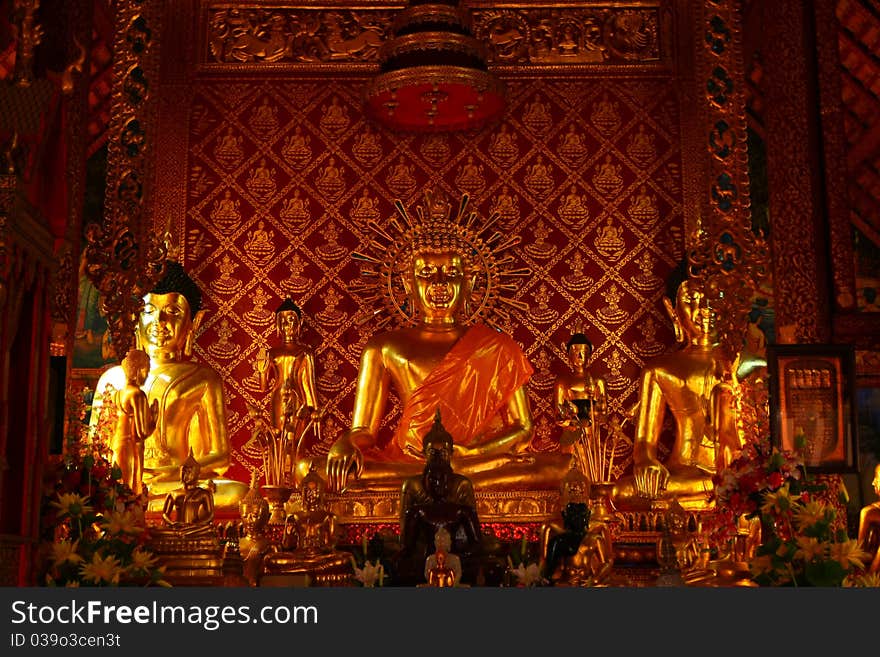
x=283, y=176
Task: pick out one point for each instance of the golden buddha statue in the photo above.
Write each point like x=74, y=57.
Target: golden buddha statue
x=190, y=512
x=191, y=415
x=474, y=374
x=869, y=527
x=135, y=420
x=291, y=367
x=254, y=541
x=684, y=381
x=580, y=555
x=309, y=541
x=579, y=396
x=188, y=544
x=443, y=568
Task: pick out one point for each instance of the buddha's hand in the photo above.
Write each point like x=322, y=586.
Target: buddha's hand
x=651, y=478
x=343, y=456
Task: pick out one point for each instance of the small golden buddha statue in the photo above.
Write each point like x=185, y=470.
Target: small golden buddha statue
x=191, y=415
x=188, y=544
x=869, y=527
x=135, y=420
x=190, y=512
x=291, y=368
x=254, y=541
x=583, y=554
x=309, y=541
x=580, y=397
x=475, y=374
x=683, y=382
x=443, y=568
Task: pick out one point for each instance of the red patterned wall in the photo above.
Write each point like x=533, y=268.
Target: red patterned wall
x=282, y=176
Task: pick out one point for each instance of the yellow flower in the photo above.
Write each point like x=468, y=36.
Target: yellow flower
x=778, y=501
x=849, y=553
x=72, y=504
x=141, y=560
x=65, y=552
x=102, y=570
x=864, y=580
x=809, y=514
x=760, y=565
x=809, y=548
x=120, y=523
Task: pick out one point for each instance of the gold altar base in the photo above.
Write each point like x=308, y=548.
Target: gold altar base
x=380, y=507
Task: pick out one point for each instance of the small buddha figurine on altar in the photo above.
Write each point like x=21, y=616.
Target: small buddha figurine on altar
x=254, y=541
x=443, y=568
x=579, y=396
x=683, y=382
x=190, y=512
x=309, y=540
x=592, y=562
x=188, y=544
x=191, y=415
x=869, y=527
x=437, y=499
x=291, y=367
x=135, y=420
x=560, y=543
x=474, y=373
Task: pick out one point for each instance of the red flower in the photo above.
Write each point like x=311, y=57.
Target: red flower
x=775, y=480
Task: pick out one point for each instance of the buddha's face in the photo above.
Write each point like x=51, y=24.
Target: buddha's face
x=439, y=283
x=697, y=318
x=288, y=325
x=578, y=355
x=438, y=451
x=164, y=322
x=876, y=482
x=189, y=475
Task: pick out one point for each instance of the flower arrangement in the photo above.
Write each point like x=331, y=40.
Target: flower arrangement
x=803, y=539
x=93, y=527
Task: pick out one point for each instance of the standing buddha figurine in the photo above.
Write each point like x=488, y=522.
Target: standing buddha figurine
x=290, y=367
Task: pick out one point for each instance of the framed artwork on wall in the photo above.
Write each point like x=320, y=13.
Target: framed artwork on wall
x=812, y=400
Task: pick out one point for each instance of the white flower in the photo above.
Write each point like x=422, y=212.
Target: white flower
x=529, y=575
x=369, y=574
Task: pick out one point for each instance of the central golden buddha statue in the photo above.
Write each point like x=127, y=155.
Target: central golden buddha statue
x=688, y=382
x=447, y=360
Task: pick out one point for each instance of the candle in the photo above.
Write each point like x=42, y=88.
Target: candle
x=523, y=548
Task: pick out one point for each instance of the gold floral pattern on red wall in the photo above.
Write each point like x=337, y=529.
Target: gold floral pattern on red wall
x=283, y=176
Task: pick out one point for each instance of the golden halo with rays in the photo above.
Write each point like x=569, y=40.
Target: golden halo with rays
x=386, y=269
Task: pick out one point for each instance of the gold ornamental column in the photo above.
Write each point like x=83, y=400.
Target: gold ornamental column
x=725, y=254
x=124, y=256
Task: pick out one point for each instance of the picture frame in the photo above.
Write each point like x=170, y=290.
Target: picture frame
x=812, y=391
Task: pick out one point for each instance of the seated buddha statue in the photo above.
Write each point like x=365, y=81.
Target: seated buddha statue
x=560, y=543
x=188, y=544
x=190, y=512
x=592, y=561
x=191, y=414
x=682, y=382
x=475, y=374
x=869, y=527
x=254, y=541
x=309, y=540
